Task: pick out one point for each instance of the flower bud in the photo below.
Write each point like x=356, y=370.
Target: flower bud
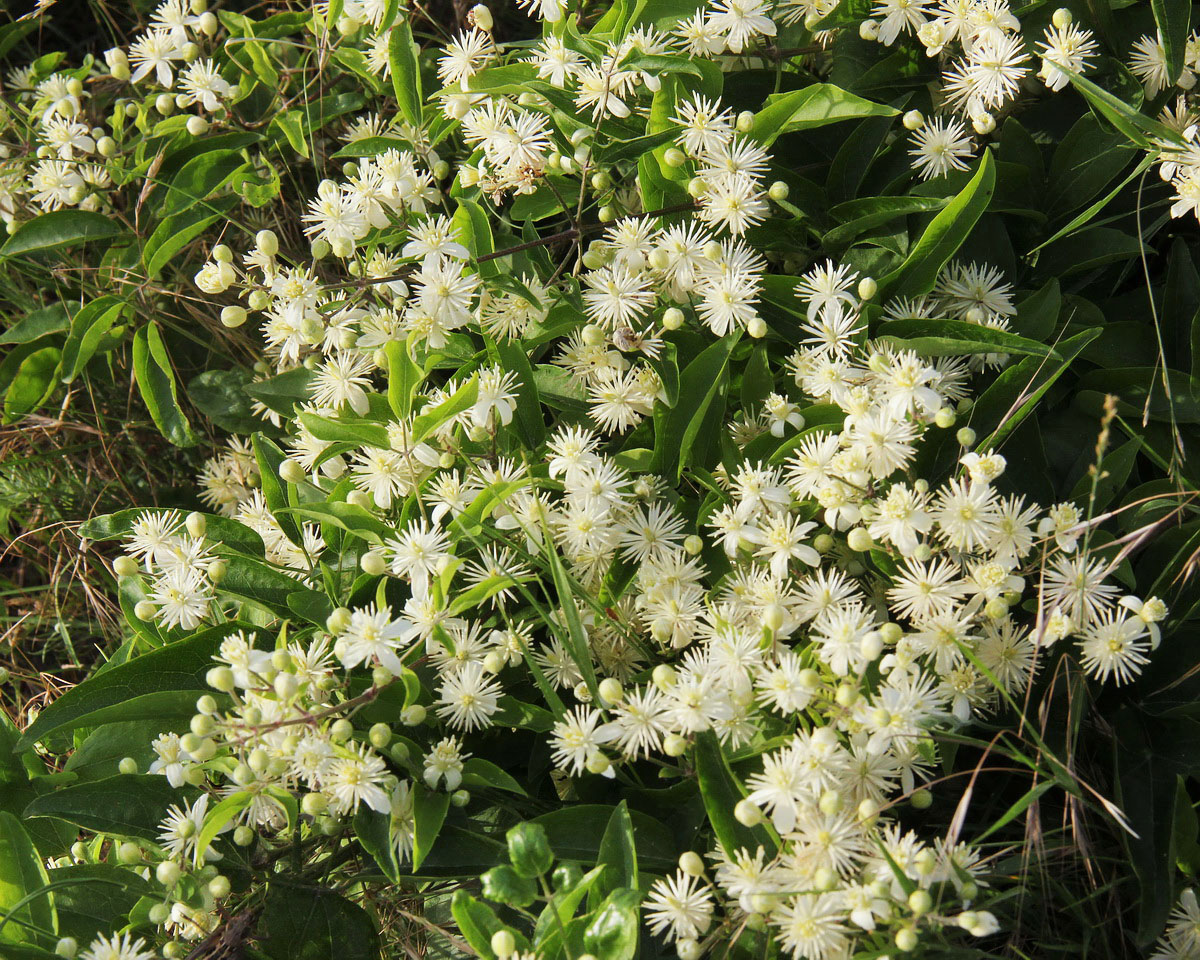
x=747, y=813
x=674, y=157
x=129, y=853
x=503, y=944
x=672, y=318
x=413, y=716
x=338, y=621
x=67, y=947
x=921, y=799
x=197, y=126
x=125, y=566
x=745, y=121
x=691, y=864
x=906, y=939
x=372, y=563
x=197, y=524
x=598, y=763
x=674, y=745
x=913, y=120
x=243, y=836
x=966, y=437
x=920, y=902
x=481, y=16
x=167, y=873
x=314, y=804
x=779, y=191
x=292, y=472
x=220, y=678
x=144, y=610
x=218, y=886
x=611, y=691
x=341, y=730
x=1062, y=18
x=460, y=798
x=688, y=948
x=380, y=735
x=867, y=288
x=859, y=540
x=868, y=30
x=757, y=328
x=663, y=676
x=127, y=766
x=159, y=914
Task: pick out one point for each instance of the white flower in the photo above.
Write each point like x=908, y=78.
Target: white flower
x=373, y=636
x=468, y=698
x=118, y=948
x=681, y=905
x=445, y=762
x=939, y=146
x=358, y=776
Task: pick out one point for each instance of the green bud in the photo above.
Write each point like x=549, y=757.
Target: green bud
x=380, y=735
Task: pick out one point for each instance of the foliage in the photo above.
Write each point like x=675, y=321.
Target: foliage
x=670, y=478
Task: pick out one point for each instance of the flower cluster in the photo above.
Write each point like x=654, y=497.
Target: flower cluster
x=654, y=487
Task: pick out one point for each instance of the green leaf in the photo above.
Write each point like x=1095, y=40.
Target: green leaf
x=955, y=338
x=529, y=850
x=575, y=833
x=180, y=666
x=721, y=792
x=251, y=580
x=530, y=422
x=503, y=884
x=221, y=396
x=574, y=637
x=612, y=933
x=406, y=74
x=88, y=327
x=700, y=385
x=270, y=459
x=303, y=923
x=219, y=817
x=478, y=772
x=1136, y=126
x=176, y=232
x=1174, y=20
x=404, y=377
x=1037, y=314
x=944, y=235
x=21, y=877
x=127, y=805
x=156, y=380
x=360, y=432
x=812, y=106
x=474, y=229
x=61, y=228
x=618, y=853
x=100, y=755
x=867, y=213
x=33, y=383
x=1015, y=393
x=373, y=830
x=433, y=417
x=91, y=895
x=477, y=922
x=40, y=323
x=200, y=178
x=429, y=813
